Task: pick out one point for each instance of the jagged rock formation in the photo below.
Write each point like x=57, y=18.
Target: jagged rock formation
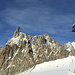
x=23, y=51
x=16, y=33
x=68, y=46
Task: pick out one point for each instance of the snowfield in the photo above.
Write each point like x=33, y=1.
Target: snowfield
x=56, y=67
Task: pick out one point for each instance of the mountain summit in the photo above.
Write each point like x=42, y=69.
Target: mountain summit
x=23, y=52
x=16, y=33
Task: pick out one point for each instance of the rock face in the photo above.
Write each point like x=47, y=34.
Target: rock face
x=16, y=33
x=23, y=52
x=68, y=46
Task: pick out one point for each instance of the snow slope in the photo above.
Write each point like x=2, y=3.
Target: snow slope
x=57, y=67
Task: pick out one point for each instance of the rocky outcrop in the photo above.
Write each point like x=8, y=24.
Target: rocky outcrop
x=13, y=60
x=23, y=52
x=68, y=46
x=72, y=52
x=16, y=33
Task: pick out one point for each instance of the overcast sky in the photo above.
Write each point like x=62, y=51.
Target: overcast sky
x=36, y=17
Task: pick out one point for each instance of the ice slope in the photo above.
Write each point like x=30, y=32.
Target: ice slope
x=57, y=67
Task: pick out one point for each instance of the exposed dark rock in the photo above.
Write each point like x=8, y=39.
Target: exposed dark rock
x=72, y=52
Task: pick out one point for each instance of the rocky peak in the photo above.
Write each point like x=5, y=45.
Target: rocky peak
x=16, y=33
x=68, y=46
x=47, y=37
x=23, y=52
x=54, y=41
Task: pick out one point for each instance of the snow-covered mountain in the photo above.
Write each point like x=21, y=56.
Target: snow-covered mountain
x=56, y=67
x=23, y=52
x=69, y=46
